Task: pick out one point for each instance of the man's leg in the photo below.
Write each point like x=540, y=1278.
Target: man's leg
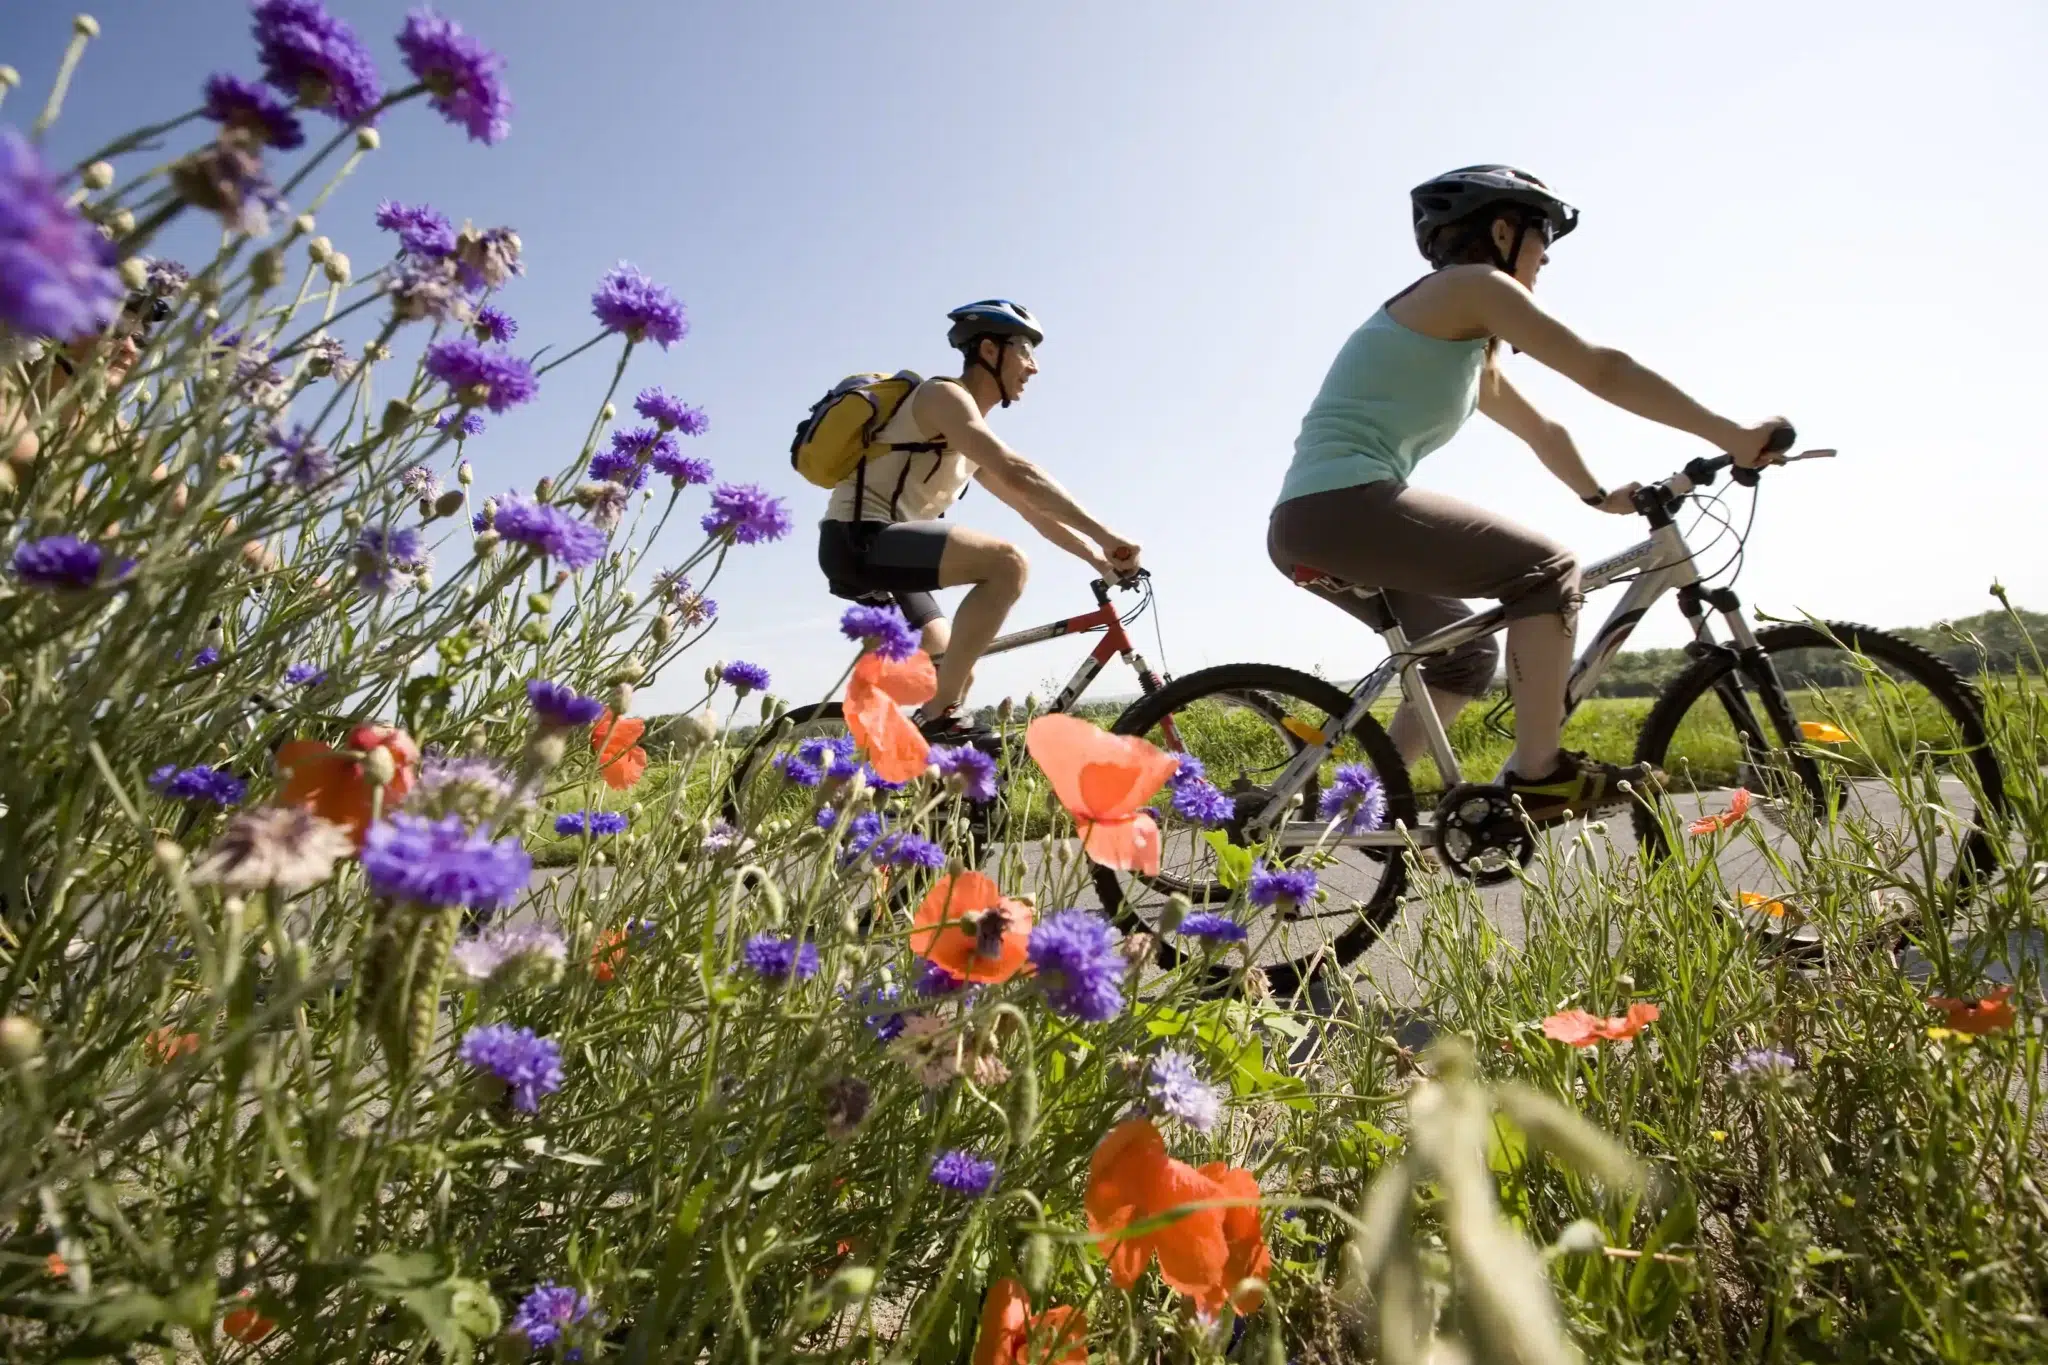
x=997, y=570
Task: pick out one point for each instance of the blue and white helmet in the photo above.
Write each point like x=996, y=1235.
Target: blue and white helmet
x=991, y=318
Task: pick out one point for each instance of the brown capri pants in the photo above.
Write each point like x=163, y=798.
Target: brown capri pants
x=1426, y=553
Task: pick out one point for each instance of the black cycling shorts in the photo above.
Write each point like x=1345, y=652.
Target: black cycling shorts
x=882, y=561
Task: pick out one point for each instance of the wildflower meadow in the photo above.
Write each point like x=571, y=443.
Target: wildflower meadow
x=303, y=1057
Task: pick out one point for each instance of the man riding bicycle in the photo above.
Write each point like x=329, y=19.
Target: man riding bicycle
x=1402, y=386
x=882, y=535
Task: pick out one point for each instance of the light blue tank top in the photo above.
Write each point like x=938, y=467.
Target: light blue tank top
x=1392, y=396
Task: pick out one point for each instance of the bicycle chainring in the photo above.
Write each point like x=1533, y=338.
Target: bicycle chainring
x=1480, y=835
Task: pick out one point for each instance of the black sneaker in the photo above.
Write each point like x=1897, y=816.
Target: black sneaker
x=951, y=728
x=1580, y=786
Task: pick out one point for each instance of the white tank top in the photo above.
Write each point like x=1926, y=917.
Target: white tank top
x=903, y=485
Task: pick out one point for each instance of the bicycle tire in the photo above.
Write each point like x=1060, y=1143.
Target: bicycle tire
x=1957, y=697
x=1274, y=681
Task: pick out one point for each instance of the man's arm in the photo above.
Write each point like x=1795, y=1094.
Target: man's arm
x=946, y=411
x=1055, y=531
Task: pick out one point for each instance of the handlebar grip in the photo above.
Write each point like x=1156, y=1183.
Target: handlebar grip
x=1778, y=443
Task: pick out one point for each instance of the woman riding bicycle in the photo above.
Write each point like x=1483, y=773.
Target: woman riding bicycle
x=1402, y=386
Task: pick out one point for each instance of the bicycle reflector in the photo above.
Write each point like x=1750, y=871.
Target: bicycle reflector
x=1306, y=733
x=1820, y=732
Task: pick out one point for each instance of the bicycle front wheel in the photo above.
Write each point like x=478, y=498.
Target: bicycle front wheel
x=1246, y=723
x=1863, y=750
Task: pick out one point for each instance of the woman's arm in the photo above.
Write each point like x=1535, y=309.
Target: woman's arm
x=1502, y=307
x=1553, y=445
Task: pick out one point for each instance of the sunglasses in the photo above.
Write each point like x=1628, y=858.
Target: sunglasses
x=140, y=316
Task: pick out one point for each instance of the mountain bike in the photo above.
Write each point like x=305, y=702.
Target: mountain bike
x=1820, y=720
x=754, y=787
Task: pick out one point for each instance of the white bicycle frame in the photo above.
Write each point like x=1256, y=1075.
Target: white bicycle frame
x=1669, y=568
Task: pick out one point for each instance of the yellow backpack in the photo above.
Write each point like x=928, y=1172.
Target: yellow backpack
x=840, y=433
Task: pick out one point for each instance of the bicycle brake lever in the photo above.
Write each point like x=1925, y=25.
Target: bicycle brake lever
x=1825, y=454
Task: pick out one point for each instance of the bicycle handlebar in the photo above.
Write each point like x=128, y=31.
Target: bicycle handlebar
x=1665, y=495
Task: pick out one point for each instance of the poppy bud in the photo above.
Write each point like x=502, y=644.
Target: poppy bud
x=379, y=767
x=353, y=518
x=1037, y=1263
x=695, y=731
x=267, y=269
x=98, y=175
x=663, y=629
x=546, y=750
x=629, y=599
x=336, y=267
x=302, y=226
x=1177, y=907
x=397, y=414
x=608, y=412
x=631, y=671
x=545, y=489
x=319, y=249
x=622, y=699
x=485, y=542
x=134, y=273
x=367, y=139
x=9, y=78
x=21, y=1041
x=533, y=632
x=465, y=475
x=539, y=603
x=85, y=26
x=449, y=503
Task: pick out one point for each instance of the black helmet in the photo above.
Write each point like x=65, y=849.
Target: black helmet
x=998, y=318
x=1457, y=195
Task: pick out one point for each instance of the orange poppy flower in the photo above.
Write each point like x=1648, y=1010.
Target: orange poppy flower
x=1738, y=806
x=1820, y=732
x=330, y=782
x=168, y=1044
x=1103, y=780
x=608, y=958
x=1581, y=1029
x=1011, y=1334
x=621, y=761
x=876, y=694
x=1762, y=904
x=1203, y=1253
x=1991, y=1014
x=56, y=1266
x=968, y=927
x=247, y=1326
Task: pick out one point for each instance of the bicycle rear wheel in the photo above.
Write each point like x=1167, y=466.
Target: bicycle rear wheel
x=1246, y=722
x=1876, y=759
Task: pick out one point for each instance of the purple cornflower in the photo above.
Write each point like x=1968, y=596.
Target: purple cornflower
x=314, y=57
x=968, y=770
x=627, y=301
x=206, y=657
x=548, y=531
x=166, y=278
x=529, y=1064
x=932, y=979
x=1079, y=967
x=695, y=606
x=421, y=482
x=1763, y=1064
x=198, y=784
x=1281, y=887
x=745, y=677
x=305, y=675
x=846, y=1100
x=619, y=466
x=543, y=1314
x=746, y=513
x=1212, y=927
x=422, y=231
x=831, y=755
x=57, y=275
x=465, y=424
x=1188, y=769
x=908, y=850
x=1176, y=1088
x=226, y=178
x=593, y=823
x=427, y=289
x=488, y=258
x=863, y=832
x=604, y=502
x=469, y=786
x=964, y=1173
x=558, y=704
x=477, y=377
x=885, y=630
x=494, y=324
x=671, y=413
x=57, y=563
x=886, y=1024
x=1197, y=799
x=440, y=863
x=687, y=470
x=796, y=770
x=245, y=104
x=483, y=956
x=304, y=463
x=463, y=77
x=383, y=556
x=780, y=959
x=720, y=837
x=1356, y=797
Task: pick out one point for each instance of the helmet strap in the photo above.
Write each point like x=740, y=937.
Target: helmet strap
x=995, y=370
x=1507, y=263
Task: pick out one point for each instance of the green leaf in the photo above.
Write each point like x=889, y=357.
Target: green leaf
x=191, y=1305
x=1233, y=862
x=457, y=1312
x=128, y=1315
x=690, y=1213
x=761, y=1184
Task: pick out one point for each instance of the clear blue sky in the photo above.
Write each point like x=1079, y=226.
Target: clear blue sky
x=1828, y=210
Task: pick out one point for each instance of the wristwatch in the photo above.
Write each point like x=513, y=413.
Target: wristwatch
x=1594, y=498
